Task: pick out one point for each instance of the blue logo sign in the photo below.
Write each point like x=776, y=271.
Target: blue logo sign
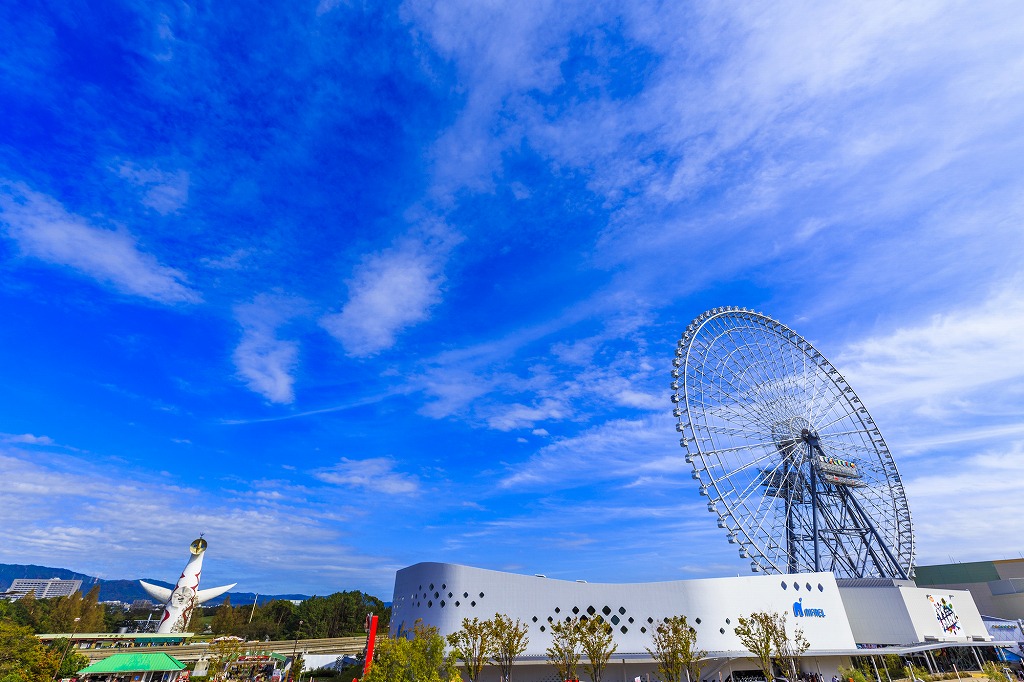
x=800, y=612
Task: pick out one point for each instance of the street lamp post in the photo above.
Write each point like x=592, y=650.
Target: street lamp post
x=295, y=647
x=71, y=641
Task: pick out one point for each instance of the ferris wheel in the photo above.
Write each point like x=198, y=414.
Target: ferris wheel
x=786, y=454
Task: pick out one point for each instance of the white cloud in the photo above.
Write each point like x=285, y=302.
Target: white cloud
x=877, y=138
x=164, y=192
x=232, y=261
x=266, y=362
x=947, y=357
x=376, y=474
x=43, y=229
x=59, y=510
x=620, y=449
x=25, y=439
x=451, y=389
x=519, y=416
x=391, y=291
x=950, y=500
x=327, y=6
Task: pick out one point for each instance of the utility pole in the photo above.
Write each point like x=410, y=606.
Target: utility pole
x=253, y=612
x=66, y=649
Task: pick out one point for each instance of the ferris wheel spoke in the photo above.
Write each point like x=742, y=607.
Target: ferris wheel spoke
x=817, y=404
x=727, y=476
x=754, y=411
x=757, y=481
x=845, y=415
x=753, y=364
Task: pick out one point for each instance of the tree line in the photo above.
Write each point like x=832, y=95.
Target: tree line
x=341, y=614
x=576, y=643
x=61, y=614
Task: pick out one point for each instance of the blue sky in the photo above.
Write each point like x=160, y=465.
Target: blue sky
x=351, y=286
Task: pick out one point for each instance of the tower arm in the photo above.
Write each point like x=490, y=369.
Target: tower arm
x=212, y=593
x=161, y=594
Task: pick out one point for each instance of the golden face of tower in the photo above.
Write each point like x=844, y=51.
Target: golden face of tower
x=198, y=546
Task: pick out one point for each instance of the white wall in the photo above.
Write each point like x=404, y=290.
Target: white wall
x=716, y=602
x=905, y=615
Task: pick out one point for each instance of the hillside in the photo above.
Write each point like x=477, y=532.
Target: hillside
x=118, y=590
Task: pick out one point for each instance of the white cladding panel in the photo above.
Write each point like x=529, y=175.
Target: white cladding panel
x=877, y=617
x=422, y=592
x=909, y=615
x=946, y=615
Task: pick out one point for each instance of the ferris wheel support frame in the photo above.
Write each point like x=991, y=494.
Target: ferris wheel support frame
x=814, y=444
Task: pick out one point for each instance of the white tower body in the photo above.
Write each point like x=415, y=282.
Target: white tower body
x=186, y=595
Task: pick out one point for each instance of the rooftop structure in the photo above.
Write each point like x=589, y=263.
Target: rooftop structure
x=997, y=586
x=141, y=667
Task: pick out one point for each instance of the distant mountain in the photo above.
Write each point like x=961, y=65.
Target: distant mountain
x=119, y=590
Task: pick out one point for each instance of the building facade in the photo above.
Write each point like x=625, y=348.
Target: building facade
x=42, y=589
x=997, y=586
x=840, y=619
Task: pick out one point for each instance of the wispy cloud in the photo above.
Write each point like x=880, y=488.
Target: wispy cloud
x=232, y=261
x=390, y=291
x=265, y=362
x=163, y=191
x=80, y=505
x=944, y=359
x=376, y=475
x=619, y=449
x=25, y=439
x=43, y=229
x=949, y=499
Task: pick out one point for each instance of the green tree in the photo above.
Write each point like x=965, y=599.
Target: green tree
x=222, y=654
x=676, y=651
x=61, y=612
x=340, y=614
x=788, y=649
x=991, y=670
x=767, y=637
x=390, y=661
x=508, y=642
x=226, y=621
x=70, y=660
x=566, y=647
x=757, y=633
x=91, y=612
x=23, y=658
x=847, y=674
x=598, y=645
x=420, y=659
x=472, y=645
x=298, y=666
x=29, y=612
x=273, y=620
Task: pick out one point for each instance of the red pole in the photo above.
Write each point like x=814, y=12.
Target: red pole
x=370, y=639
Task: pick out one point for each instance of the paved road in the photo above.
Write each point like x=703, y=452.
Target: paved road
x=192, y=652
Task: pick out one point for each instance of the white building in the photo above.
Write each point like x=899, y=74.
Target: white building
x=839, y=619
x=42, y=589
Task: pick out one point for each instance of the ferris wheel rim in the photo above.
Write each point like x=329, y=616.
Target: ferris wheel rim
x=777, y=405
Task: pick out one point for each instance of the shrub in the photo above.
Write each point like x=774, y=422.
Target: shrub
x=846, y=674
x=993, y=672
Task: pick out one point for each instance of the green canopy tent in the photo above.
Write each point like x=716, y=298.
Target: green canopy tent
x=136, y=667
